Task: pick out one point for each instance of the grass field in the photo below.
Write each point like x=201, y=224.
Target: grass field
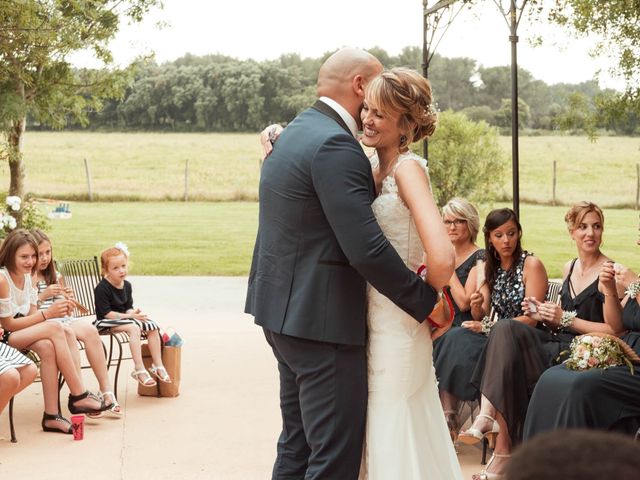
x=216, y=238
x=150, y=166
x=142, y=166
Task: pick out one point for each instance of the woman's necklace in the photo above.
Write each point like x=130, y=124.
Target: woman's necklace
x=584, y=272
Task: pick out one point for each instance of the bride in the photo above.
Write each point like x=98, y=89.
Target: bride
x=406, y=435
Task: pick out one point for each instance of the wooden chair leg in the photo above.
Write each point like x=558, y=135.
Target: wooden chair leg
x=11, y=425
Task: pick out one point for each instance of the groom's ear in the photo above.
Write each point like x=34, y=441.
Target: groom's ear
x=358, y=84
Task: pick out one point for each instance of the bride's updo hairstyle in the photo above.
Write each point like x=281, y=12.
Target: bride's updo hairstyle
x=408, y=94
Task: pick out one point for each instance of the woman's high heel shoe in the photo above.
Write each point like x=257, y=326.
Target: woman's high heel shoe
x=453, y=423
x=484, y=475
x=473, y=435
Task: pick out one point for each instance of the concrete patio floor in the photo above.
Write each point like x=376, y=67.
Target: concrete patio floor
x=223, y=426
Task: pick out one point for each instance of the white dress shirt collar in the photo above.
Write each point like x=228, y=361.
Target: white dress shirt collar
x=340, y=110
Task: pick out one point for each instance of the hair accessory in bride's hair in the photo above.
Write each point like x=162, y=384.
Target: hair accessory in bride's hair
x=122, y=247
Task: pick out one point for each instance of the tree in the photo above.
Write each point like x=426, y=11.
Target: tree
x=465, y=159
x=617, y=24
x=36, y=79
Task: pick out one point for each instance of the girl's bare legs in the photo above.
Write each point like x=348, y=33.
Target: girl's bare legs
x=155, y=347
x=14, y=381
x=135, y=343
x=61, y=359
x=94, y=349
x=72, y=341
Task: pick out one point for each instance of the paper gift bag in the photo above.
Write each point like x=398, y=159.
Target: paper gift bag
x=171, y=360
x=171, y=357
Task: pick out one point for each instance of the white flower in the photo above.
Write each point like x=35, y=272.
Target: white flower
x=582, y=364
x=14, y=202
x=123, y=247
x=587, y=339
x=11, y=222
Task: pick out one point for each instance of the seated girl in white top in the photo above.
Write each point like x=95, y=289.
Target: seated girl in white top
x=26, y=327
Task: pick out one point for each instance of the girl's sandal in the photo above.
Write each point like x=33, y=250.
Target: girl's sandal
x=161, y=373
x=143, y=378
x=114, y=409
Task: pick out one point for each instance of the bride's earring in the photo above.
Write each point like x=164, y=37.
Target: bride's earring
x=403, y=140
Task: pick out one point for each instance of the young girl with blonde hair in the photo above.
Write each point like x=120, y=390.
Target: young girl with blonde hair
x=115, y=312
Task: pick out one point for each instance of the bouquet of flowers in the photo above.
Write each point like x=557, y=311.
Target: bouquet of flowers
x=600, y=350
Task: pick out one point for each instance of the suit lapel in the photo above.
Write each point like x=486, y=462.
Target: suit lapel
x=330, y=112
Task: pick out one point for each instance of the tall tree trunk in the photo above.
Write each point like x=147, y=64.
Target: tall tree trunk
x=16, y=165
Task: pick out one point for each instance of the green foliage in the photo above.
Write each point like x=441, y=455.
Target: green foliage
x=503, y=115
x=617, y=26
x=465, y=160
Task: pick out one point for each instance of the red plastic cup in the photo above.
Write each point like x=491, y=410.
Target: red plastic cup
x=77, y=424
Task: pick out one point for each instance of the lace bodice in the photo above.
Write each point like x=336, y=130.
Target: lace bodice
x=395, y=218
x=19, y=301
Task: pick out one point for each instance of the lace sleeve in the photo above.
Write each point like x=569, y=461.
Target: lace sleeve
x=5, y=308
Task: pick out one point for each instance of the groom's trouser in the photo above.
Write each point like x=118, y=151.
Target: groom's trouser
x=323, y=399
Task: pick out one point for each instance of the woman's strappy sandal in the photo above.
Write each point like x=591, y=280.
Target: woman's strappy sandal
x=473, y=435
x=161, y=373
x=79, y=410
x=143, y=378
x=484, y=475
x=58, y=418
x=113, y=409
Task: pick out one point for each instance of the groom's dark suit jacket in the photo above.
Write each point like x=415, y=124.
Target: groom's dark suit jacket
x=318, y=241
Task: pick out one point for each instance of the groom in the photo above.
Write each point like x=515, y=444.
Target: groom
x=318, y=244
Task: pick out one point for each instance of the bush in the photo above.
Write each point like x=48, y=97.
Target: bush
x=19, y=214
x=465, y=160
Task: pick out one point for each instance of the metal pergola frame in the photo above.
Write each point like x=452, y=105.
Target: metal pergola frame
x=432, y=17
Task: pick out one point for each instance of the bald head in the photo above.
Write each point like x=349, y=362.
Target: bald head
x=344, y=74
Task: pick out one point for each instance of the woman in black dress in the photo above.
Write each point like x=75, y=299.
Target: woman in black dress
x=510, y=273
x=519, y=351
x=463, y=223
x=595, y=398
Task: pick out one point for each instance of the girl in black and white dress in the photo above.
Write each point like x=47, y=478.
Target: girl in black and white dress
x=115, y=312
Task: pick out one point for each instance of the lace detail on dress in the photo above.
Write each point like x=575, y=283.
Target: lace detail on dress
x=20, y=301
x=508, y=291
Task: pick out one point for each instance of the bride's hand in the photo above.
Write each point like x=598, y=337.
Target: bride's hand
x=268, y=138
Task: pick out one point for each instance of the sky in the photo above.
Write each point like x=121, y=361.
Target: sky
x=264, y=30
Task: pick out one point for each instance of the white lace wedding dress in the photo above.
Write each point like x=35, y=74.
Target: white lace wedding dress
x=407, y=436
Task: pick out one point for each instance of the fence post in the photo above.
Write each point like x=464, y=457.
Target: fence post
x=186, y=180
x=554, y=183
x=88, y=172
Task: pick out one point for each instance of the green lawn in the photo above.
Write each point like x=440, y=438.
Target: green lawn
x=172, y=238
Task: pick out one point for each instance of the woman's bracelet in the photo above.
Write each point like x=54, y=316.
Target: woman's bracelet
x=633, y=289
x=567, y=318
x=44, y=319
x=486, y=325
